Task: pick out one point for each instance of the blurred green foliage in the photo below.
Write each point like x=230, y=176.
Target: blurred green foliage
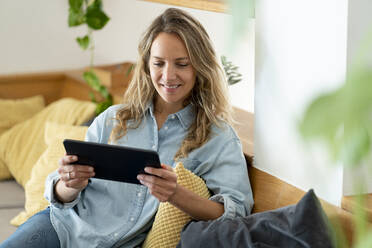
x=343, y=118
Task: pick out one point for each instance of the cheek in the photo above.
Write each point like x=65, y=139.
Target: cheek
x=190, y=77
x=154, y=75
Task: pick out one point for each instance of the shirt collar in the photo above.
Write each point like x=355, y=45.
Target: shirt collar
x=186, y=115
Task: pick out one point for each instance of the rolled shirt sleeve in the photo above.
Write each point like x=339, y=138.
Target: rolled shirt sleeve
x=51, y=180
x=229, y=180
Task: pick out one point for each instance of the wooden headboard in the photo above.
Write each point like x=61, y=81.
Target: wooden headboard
x=269, y=192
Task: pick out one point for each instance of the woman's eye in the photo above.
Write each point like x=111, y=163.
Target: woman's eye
x=158, y=64
x=182, y=65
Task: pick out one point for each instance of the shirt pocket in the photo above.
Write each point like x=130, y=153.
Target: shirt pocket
x=191, y=164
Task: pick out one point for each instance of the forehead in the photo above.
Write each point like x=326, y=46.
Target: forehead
x=168, y=46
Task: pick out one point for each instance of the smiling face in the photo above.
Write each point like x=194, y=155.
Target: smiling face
x=171, y=71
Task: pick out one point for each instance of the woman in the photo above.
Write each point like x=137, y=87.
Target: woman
x=177, y=105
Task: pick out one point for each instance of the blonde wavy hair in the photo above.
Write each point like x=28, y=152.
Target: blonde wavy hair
x=209, y=95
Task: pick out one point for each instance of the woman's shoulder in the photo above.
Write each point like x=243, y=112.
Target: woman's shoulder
x=223, y=131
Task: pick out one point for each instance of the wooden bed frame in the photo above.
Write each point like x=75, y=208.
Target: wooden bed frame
x=269, y=192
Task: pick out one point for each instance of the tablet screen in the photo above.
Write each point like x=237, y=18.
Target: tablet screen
x=112, y=162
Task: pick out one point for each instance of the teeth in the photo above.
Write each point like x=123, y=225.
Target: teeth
x=171, y=86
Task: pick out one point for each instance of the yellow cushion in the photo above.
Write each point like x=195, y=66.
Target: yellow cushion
x=47, y=163
x=22, y=145
x=169, y=220
x=13, y=112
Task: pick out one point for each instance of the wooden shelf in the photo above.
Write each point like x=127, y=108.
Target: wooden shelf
x=349, y=203
x=210, y=5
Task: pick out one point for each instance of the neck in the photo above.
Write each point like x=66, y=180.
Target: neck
x=165, y=108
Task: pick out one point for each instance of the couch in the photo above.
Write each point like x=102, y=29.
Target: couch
x=269, y=192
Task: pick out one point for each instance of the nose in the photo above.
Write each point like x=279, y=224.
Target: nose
x=169, y=73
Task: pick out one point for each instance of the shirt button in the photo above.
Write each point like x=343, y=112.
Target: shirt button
x=132, y=219
x=116, y=234
x=154, y=147
x=166, y=127
x=139, y=194
x=173, y=117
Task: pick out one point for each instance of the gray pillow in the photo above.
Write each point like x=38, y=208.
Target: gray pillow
x=301, y=225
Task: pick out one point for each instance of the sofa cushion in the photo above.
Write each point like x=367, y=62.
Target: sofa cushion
x=22, y=145
x=47, y=163
x=301, y=225
x=169, y=220
x=13, y=112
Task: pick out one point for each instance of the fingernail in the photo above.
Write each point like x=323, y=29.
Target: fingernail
x=139, y=177
x=90, y=168
x=147, y=169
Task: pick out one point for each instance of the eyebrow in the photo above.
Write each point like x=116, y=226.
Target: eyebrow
x=181, y=58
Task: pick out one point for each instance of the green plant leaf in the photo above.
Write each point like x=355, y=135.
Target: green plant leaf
x=95, y=17
x=75, y=4
x=93, y=81
x=356, y=145
x=75, y=18
x=92, y=97
x=102, y=106
x=83, y=42
x=231, y=71
x=130, y=69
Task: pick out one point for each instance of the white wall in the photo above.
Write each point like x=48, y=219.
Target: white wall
x=34, y=37
x=300, y=52
x=359, y=25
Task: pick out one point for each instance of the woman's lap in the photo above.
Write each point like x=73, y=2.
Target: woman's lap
x=37, y=232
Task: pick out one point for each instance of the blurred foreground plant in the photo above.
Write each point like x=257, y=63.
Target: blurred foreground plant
x=343, y=118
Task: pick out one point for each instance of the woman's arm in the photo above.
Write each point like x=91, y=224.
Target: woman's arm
x=197, y=207
x=163, y=185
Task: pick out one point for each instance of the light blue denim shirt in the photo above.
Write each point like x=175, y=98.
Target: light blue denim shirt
x=114, y=214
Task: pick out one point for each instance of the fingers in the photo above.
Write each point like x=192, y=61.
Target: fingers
x=159, y=188
x=75, y=176
x=162, y=183
x=69, y=175
x=165, y=172
x=67, y=159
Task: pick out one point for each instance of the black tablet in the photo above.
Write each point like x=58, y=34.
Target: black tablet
x=112, y=162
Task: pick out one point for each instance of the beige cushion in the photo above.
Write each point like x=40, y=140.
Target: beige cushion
x=13, y=112
x=47, y=163
x=169, y=220
x=22, y=145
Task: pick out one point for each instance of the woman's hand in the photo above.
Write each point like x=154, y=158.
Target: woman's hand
x=162, y=183
x=73, y=178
